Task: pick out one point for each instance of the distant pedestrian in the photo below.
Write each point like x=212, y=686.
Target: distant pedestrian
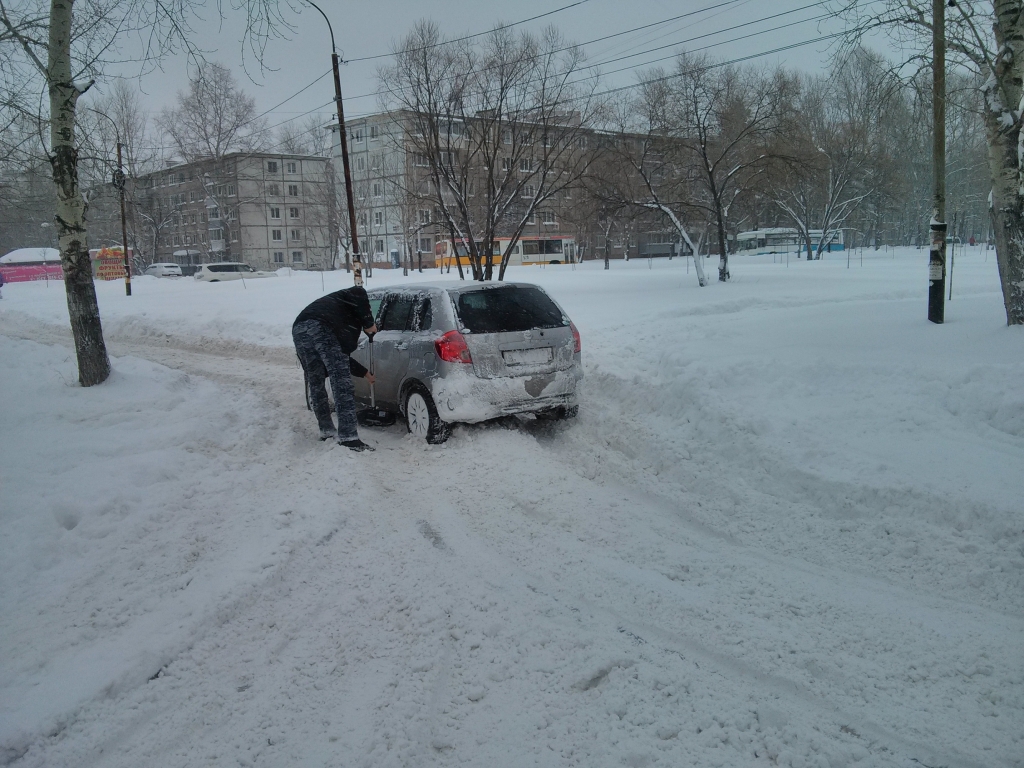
x=971, y=241
x=325, y=334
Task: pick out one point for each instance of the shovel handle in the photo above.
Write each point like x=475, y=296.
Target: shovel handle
x=373, y=396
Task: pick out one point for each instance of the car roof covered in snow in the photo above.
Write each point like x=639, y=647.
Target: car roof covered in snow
x=454, y=284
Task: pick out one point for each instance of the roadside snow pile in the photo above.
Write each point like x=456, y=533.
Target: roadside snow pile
x=786, y=529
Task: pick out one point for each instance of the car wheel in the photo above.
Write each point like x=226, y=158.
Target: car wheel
x=557, y=414
x=213, y=281
x=421, y=417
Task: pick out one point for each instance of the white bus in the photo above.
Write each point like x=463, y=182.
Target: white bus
x=783, y=240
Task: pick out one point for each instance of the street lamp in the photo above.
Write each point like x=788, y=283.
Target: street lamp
x=118, y=180
x=357, y=266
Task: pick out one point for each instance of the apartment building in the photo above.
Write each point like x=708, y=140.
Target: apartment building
x=397, y=216
x=268, y=210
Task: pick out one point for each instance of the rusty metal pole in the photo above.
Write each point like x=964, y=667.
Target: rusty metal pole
x=119, y=182
x=357, y=265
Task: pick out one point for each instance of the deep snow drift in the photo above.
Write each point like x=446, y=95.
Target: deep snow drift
x=786, y=529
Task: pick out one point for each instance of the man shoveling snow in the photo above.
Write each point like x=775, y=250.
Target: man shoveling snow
x=325, y=334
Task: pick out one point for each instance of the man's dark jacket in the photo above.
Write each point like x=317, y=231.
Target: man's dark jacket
x=345, y=313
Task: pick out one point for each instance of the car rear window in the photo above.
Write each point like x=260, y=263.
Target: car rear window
x=509, y=308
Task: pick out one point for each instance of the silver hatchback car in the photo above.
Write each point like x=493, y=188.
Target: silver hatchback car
x=466, y=353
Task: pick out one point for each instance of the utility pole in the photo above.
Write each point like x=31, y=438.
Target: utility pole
x=119, y=181
x=357, y=265
x=937, y=254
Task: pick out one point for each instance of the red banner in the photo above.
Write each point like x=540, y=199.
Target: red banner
x=23, y=273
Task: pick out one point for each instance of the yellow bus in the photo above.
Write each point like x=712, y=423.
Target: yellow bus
x=548, y=249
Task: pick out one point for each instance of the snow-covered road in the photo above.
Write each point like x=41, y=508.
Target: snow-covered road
x=785, y=530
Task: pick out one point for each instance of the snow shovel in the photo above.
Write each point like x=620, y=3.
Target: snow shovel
x=374, y=416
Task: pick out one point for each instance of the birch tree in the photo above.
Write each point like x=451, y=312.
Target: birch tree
x=62, y=47
x=726, y=119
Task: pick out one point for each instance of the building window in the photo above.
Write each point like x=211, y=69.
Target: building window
x=191, y=197
x=373, y=131
x=507, y=136
x=360, y=163
x=273, y=190
x=506, y=163
x=548, y=217
x=215, y=213
x=528, y=190
x=424, y=216
x=296, y=234
x=275, y=235
x=271, y=166
x=380, y=247
x=216, y=234
x=357, y=134
x=425, y=245
x=293, y=190
x=296, y=257
x=176, y=241
x=275, y=213
x=362, y=219
x=279, y=257
x=420, y=160
x=448, y=159
x=526, y=164
x=376, y=190
x=378, y=218
x=292, y=167
x=293, y=213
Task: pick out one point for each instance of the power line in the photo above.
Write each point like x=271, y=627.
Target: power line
x=475, y=34
x=677, y=43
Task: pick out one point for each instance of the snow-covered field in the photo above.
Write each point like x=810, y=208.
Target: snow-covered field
x=786, y=529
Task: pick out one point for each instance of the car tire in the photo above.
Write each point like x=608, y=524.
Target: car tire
x=421, y=417
x=213, y=281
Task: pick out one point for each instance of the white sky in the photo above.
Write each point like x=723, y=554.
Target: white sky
x=370, y=28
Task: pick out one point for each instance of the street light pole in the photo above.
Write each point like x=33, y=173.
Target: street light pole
x=357, y=266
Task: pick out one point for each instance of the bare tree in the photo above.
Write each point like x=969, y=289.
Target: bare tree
x=728, y=120
x=213, y=117
x=987, y=38
x=498, y=126
x=827, y=174
x=311, y=137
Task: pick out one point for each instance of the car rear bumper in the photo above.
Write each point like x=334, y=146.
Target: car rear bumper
x=464, y=397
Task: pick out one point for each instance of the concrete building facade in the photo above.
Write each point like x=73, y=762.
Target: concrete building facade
x=268, y=210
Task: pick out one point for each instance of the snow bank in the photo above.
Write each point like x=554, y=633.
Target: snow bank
x=786, y=529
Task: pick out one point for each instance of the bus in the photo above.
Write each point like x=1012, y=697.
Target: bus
x=549, y=249
x=783, y=240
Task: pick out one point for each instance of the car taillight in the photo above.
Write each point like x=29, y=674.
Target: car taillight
x=577, y=345
x=452, y=348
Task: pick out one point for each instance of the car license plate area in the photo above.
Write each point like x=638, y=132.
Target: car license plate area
x=536, y=356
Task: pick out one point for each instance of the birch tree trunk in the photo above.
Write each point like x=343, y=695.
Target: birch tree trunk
x=1003, y=94
x=93, y=363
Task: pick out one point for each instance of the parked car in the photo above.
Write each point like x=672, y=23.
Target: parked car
x=228, y=270
x=163, y=270
x=467, y=353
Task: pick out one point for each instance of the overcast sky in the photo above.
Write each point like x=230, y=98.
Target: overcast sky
x=365, y=29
